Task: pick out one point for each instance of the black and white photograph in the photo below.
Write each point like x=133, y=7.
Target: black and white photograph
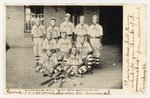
x=64, y=46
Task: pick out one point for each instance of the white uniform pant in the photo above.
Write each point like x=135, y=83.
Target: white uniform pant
x=37, y=48
x=97, y=46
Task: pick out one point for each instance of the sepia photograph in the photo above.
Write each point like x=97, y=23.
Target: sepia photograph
x=64, y=46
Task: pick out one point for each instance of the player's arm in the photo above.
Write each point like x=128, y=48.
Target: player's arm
x=101, y=33
x=72, y=27
x=80, y=62
x=89, y=48
x=58, y=33
x=32, y=32
x=61, y=28
x=44, y=33
x=58, y=45
x=69, y=45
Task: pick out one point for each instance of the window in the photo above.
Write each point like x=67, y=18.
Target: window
x=75, y=12
x=32, y=12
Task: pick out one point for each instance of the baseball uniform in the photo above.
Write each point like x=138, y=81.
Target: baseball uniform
x=49, y=44
x=67, y=27
x=84, y=50
x=95, y=32
x=81, y=30
x=49, y=63
x=55, y=33
x=75, y=65
x=64, y=46
x=37, y=32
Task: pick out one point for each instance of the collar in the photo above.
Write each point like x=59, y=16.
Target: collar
x=67, y=22
x=82, y=24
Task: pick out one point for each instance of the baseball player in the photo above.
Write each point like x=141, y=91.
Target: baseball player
x=75, y=64
x=49, y=55
x=64, y=45
x=48, y=63
x=49, y=43
x=81, y=29
x=67, y=26
x=85, y=51
x=53, y=29
x=38, y=30
x=96, y=32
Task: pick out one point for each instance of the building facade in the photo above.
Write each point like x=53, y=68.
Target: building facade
x=19, y=20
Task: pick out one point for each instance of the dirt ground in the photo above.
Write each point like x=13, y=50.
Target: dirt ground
x=20, y=72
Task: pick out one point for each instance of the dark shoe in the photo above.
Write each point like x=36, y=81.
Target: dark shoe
x=45, y=75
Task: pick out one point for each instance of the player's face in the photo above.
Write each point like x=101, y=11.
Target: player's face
x=49, y=52
x=82, y=39
x=37, y=22
x=74, y=51
x=82, y=20
x=40, y=22
x=53, y=23
x=67, y=19
x=95, y=20
x=64, y=35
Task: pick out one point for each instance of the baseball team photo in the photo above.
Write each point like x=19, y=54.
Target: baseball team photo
x=64, y=46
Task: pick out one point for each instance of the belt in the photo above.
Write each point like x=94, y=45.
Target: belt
x=81, y=35
x=38, y=36
x=69, y=35
x=94, y=37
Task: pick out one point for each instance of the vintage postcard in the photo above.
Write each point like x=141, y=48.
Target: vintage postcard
x=80, y=49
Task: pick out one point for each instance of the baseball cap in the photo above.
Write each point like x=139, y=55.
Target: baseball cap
x=53, y=18
x=95, y=16
x=67, y=15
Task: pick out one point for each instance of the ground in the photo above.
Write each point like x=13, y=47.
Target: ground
x=20, y=72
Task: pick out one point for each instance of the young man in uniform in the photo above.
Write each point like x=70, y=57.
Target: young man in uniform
x=81, y=29
x=74, y=64
x=49, y=43
x=96, y=32
x=85, y=52
x=49, y=61
x=53, y=29
x=64, y=45
x=38, y=31
x=67, y=26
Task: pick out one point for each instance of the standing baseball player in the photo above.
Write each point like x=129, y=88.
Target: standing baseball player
x=64, y=45
x=67, y=26
x=96, y=32
x=85, y=52
x=38, y=30
x=81, y=29
x=53, y=29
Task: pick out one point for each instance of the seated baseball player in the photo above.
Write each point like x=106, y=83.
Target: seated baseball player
x=85, y=52
x=49, y=61
x=63, y=46
x=74, y=64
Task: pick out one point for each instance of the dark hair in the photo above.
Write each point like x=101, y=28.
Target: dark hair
x=53, y=19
